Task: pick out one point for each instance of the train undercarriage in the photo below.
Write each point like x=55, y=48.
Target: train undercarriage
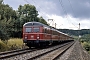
x=43, y=43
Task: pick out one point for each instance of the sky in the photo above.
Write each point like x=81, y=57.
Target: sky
x=67, y=14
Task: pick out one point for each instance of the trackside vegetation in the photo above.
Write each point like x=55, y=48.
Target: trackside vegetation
x=85, y=41
x=12, y=44
x=11, y=21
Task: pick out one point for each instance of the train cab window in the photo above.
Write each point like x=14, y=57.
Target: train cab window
x=28, y=30
x=36, y=29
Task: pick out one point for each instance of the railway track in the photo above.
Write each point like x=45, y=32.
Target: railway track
x=8, y=54
x=51, y=53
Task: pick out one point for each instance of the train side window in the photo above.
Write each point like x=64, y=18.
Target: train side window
x=28, y=30
x=52, y=32
x=36, y=29
x=49, y=31
x=44, y=30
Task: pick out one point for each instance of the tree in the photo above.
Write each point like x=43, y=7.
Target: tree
x=3, y=35
x=1, y=1
x=27, y=13
x=7, y=17
x=42, y=20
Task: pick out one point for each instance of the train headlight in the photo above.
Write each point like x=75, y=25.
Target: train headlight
x=37, y=37
x=25, y=37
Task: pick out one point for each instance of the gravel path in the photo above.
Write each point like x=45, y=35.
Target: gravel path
x=76, y=52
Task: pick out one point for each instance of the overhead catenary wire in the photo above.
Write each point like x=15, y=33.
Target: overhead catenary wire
x=62, y=7
x=71, y=6
x=72, y=9
x=26, y=1
x=37, y=5
x=61, y=3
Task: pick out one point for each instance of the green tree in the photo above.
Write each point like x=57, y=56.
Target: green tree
x=7, y=17
x=42, y=20
x=27, y=13
x=1, y=1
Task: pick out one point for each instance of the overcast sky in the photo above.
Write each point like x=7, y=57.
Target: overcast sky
x=65, y=13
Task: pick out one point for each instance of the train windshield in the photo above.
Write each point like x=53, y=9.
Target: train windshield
x=36, y=29
x=28, y=30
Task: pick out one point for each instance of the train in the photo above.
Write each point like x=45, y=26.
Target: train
x=38, y=34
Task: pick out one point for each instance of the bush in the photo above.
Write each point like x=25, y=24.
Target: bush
x=11, y=44
x=15, y=43
x=82, y=41
x=86, y=46
x=3, y=46
x=89, y=52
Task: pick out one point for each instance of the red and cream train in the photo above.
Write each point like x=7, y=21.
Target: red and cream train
x=38, y=34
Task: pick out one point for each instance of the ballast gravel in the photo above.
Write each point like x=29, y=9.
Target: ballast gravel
x=76, y=52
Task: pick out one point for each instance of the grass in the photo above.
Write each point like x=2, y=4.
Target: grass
x=86, y=45
x=12, y=44
x=15, y=43
x=3, y=46
x=89, y=52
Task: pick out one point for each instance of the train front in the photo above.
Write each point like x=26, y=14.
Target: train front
x=32, y=33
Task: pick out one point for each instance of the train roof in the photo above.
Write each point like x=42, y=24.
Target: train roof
x=33, y=23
